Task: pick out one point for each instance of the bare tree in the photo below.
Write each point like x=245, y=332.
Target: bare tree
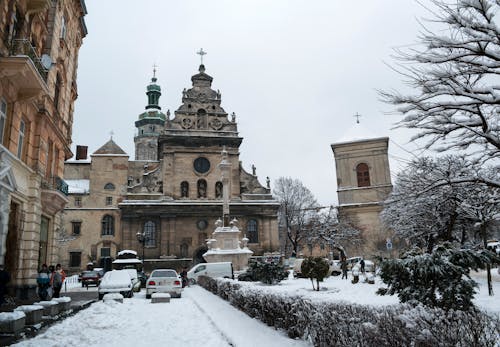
x=332, y=228
x=298, y=206
x=456, y=104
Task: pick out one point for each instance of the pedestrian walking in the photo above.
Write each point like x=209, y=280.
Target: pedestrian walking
x=362, y=266
x=184, y=277
x=43, y=281
x=57, y=280
x=343, y=266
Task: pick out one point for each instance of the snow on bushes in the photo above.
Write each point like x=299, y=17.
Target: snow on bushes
x=329, y=323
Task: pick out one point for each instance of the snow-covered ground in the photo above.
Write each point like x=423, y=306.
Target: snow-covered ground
x=201, y=318
x=334, y=288
x=197, y=319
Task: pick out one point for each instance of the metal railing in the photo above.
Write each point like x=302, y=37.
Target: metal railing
x=57, y=183
x=24, y=47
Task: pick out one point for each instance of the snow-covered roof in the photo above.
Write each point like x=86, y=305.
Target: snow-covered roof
x=357, y=133
x=78, y=186
x=127, y=261
x=127, y=251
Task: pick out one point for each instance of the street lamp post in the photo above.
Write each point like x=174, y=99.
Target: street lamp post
x=142, y=237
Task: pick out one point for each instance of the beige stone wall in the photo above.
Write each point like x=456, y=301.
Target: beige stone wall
x=178, y=167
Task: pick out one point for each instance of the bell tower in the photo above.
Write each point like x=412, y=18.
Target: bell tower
x=150, y=124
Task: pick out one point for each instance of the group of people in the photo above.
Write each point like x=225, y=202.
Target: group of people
x=344, y=268
x=50, y=280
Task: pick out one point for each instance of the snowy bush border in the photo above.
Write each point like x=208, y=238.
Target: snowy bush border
x=344, y=324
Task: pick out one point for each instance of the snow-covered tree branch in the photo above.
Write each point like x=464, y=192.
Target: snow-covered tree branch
x=455, y=77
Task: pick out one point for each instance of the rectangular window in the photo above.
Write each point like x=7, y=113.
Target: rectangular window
x=105, y=252
x=3, y=118
x=75, y=259
x=109, y=200
x=76, y=226
x=78, y=201
x=20, y=143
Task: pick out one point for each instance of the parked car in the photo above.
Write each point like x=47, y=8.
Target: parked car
x=116, y=281
x=224, y=269
x=335, y=269
x=136, y=282
x=164, y=281
x=369, y=266
x=90, y=277
x=353, y=261
x=297, y=268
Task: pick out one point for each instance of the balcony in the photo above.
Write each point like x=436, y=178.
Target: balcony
x=24, y=69
x=54, y=194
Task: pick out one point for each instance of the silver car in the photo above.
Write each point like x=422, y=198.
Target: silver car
x=164, y=281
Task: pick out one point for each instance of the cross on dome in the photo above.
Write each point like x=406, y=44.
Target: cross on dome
x=201, y=53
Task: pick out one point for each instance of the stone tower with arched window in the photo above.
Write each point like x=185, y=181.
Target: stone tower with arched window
x=363, y=183
x=149, y=125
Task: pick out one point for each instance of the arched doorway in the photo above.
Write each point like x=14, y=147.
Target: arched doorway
x=198, y=255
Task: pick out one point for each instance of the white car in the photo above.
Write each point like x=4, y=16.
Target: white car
x=136, y=282
x=116, y=281
x=164, y=281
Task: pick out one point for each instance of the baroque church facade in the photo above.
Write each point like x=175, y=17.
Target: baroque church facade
x=164, y=204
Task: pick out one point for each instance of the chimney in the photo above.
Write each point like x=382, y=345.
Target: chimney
x=81, y=152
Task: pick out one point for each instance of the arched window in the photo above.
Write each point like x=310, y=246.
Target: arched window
x=109, y=186
x=108, y=225
x=218, y=190
x=202, y=188
x=363, y=175
x=149, y=234
x=184, y=189
x=252, y=231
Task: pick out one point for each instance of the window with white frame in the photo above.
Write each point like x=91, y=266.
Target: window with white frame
x=20, y=143
x=3, y=118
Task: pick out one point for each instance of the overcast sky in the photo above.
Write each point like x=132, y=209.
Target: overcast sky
x=294, y=72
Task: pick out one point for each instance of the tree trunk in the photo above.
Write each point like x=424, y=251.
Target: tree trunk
x=317, y=285
x=488, y=266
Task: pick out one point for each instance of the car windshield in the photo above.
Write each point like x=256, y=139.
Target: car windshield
x=164, y=273
x=90, y=274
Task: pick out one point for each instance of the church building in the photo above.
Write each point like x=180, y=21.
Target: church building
x=165, y=203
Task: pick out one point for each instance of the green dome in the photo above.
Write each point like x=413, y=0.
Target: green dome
x=151, y=114
x=153, y=86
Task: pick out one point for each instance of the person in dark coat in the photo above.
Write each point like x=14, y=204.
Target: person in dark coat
x=184, y=277
x=4, y=279
x=362, y=265
x=343, y=266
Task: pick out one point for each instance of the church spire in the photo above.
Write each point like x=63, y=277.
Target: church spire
x=153, y=91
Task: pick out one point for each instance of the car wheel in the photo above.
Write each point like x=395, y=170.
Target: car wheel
x=148, y=296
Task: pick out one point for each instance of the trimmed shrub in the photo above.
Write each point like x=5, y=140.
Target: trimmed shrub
x=315, y=268
x=268, y=273
x=344, y=324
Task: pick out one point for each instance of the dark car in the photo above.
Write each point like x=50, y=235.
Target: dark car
x=90, y=277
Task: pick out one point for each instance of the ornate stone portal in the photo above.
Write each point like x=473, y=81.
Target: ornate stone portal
x=225, y=244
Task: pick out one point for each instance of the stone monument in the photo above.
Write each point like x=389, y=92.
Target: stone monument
x=225, y=244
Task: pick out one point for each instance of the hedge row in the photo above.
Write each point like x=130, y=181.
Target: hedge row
x=344, y=324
